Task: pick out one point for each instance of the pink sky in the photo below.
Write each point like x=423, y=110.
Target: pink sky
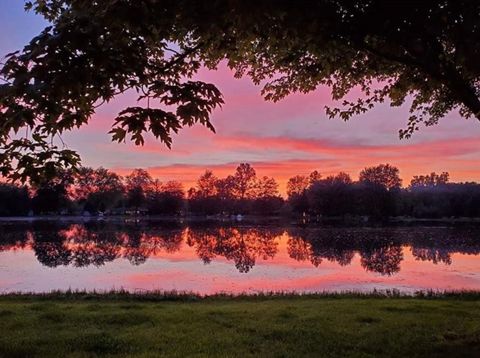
x=287, y=138
x=281, y=140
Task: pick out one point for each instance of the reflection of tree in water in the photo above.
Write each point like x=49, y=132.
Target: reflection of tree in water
x=437, y=245
x=89, y=247
x=380, y=249
x=241, y=245
x=378, y=252
x=432, y=254
x=13, y=237
x=80, y=246
x=138, y=246
x=316, y=245
x=52, y=253
x=384, y=259
x=299, y=249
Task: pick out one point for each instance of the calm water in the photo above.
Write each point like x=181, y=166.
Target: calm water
x=42, y=256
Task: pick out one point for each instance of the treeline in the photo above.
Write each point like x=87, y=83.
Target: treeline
x=378, y=194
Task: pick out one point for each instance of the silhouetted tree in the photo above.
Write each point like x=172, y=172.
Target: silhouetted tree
x=332, y=196
x=297, y=193
x=52, y=196
x=137, y=184
x=429, y=180
x=167, y=199
x=385, y=175
x=98, y=189
x=245, y=180
x=14, y=200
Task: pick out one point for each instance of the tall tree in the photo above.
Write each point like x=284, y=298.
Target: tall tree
x=266, y=187
x=138, y=183
x=385, y=175
x=206, y=184
x=245, y=179
x=99, y=189
x=92, y=51
x=297, y=185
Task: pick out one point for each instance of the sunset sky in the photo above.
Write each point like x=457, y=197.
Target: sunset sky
x=281, y=140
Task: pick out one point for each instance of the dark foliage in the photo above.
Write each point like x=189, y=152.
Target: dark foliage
x=389, y=50
x=14, y=200
x=374, y=197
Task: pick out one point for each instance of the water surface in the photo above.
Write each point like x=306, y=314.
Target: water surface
x=235, y=258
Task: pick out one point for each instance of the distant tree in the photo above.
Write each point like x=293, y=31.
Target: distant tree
x=297, y=185
x=340, y=178
x=332, y=196
x=90, y=52
x=429, y=180
x=225, y=188
x=52, y=196
x=245, y=180
x=99, y=189
x=314, y=177
x=14, y=200
x=266, y=187
x=137, y=184
x=166, y=199
x=373, y=200
x=267, y=199
x=385, y=175
x=206, y=184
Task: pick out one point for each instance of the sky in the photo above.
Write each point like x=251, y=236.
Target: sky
x=281, y=139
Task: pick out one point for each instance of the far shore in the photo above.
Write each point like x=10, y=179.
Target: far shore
x=247, y=219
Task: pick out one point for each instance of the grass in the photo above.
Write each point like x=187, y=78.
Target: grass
x=178, y=325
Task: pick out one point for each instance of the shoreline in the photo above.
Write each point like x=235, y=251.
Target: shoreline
x=247, y=219
x=186, y=296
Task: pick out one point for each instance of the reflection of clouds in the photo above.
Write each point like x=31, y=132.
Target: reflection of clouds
x=380, y=249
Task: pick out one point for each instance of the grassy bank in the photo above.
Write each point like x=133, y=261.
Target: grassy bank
x=272, y=326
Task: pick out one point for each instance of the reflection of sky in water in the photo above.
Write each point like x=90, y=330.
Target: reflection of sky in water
x=43, y=257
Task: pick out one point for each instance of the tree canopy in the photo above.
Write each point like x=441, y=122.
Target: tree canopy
x=424, y=52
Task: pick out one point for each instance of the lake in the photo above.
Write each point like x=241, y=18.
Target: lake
x=208, y=258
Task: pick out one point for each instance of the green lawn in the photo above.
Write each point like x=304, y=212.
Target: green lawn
x=241, y=327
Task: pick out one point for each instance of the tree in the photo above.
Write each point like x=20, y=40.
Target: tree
x=206, y=184
x=52, y=196
x=266, y=187
x=93, y=51
x=138, y=183
x=166, y=199
x=14, y=200
x=245, y=179
x=385, y=175
x=267, y=199
x=429, y=180
x=99, y=189
x=340, y=178
x=314, y=177
x=332, y=196
x=297, y=185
